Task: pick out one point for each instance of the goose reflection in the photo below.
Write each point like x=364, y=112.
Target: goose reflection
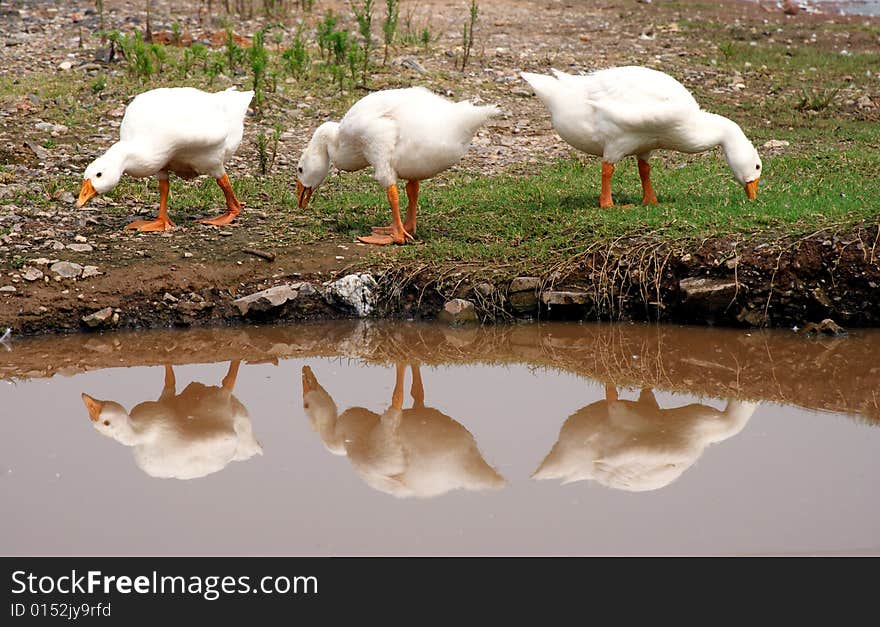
x=181, y=436
x=636, y=445
x=418, y=452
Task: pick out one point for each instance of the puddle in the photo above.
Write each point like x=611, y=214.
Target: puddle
x=353, y=438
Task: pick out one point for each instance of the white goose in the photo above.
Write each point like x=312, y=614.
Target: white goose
x=636, y=445
x=181, y=130
x=411, y=134
x=632, y=111
x=418, y=452
x=181, y=436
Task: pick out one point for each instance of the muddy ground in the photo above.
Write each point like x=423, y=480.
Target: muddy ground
x=192, y=275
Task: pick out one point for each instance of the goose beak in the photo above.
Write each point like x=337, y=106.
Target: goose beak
x=303, y=194
x=309, y=381
x=752, y=188
x=94, y=406
x=85, y=192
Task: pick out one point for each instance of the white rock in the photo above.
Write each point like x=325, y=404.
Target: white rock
x=66, y=269
x=80, y=248
x=8, y=288
x=31, y=274
x=90, y=271
x=357, y=291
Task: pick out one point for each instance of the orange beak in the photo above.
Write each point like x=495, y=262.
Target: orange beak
x=303, y=194
x=309, y=381
x=85, y=192
x=94, y=406
x=752, y=188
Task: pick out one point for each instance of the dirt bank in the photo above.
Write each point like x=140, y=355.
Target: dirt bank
x=724, y=282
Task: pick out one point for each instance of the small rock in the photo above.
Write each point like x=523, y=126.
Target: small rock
x=524, y=284
x=8, y=288
x=559, y=298
x=486, y=290
x=826, y=327
x=865, y=102
x=64, y=196
x=187, y=255
x=80, y=238
x=57, y=246
x=707, y=293
x=65, y=65
x=261, y=302
x=90, y=271
x=66, y=269
x=354, y=291
x=98, y=318
x=775, y=144
x=170, y=298
x=80, y=248
x=459, y=311
x=412, y=64
x=31, y=274
x=523, y=293
x=225, y=233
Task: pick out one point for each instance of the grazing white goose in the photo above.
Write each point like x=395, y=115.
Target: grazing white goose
x=636, y=445
x=181, y=436
x=412, y=134
x=418, y=452
x=181, y=130
x=632, y=111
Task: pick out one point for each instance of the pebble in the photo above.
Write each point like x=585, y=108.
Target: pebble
x=31, y=274
x=65, y=65
x=80, y=248
x=8, y=288
x=66, y=269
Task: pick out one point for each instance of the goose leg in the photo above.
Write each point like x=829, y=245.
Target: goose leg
x=409, y=222
x=610, y=393
x=648, y=197
x=417, y=391
x=162, y=222
x=231, y=375
x=170, y=386
x=605, y=197
x=398, y=235
x=397, y=395
x=233, y=207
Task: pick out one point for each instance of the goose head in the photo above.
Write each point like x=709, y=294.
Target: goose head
x=314, y=163
x=321, y=411
x=744, y=161
x=101, y=176
x=110, y=418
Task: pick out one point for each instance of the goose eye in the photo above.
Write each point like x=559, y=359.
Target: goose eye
x=106, y=423
x=300, y=170
x=758, y=167
x=98, y=175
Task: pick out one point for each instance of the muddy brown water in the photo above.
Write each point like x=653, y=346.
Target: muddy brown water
x=353, y=438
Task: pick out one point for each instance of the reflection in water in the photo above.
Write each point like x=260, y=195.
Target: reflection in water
x=636, y=445
x=417, y=452
x=181, y=436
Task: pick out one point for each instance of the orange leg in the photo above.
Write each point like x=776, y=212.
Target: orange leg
x=417, y=391
x=398, y=234
x=648, y=197
x=409, y=222
x=231, y=375
x=610, y=393
x=162, y=222
x=605, y=197
x=233, y=207
x=397, y=395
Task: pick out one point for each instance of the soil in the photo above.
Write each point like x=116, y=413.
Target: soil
x=203, y=270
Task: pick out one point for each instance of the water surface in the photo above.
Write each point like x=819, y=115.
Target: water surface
x=399, y=439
